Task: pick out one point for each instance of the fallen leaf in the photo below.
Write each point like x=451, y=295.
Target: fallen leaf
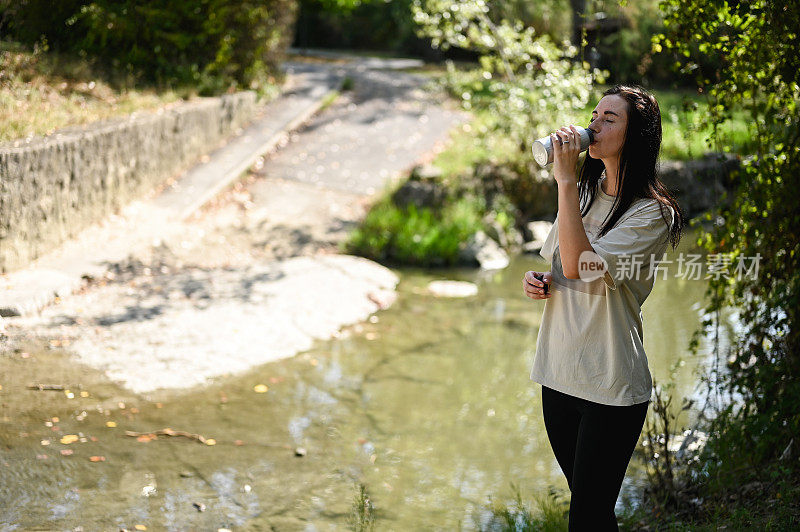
x=140, y=527
x=42, y=456
x=211, y=441
x=111, y=424
x=146, y=438
x=69, y=438
x=260, y=388
x=45, y=442
x=238, y=442
x=84, y=394
x=97, y=458
x=66, y=452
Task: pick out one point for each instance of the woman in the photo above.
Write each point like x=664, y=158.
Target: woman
x=611, y=230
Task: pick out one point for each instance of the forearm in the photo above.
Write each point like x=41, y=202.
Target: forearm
x=572, y=239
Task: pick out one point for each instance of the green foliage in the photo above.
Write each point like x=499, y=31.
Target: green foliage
x=388, y=24
x=523, y=76
x=343, y=6
x=360, y=25
x=686, y=133
x=627, y=52
x=546, y=17
x=362, y=512
x=521, y=517
x=757, y=68
x=42, y=91
x=422, y=237
x=215, y=44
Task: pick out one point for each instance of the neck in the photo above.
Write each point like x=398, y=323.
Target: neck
x=609, y=185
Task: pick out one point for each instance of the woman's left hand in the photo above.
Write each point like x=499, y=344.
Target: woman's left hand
x=566, y=148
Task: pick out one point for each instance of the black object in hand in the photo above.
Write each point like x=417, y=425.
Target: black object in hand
x=541, y=278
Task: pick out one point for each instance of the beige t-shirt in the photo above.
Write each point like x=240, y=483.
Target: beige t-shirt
x=590, y=340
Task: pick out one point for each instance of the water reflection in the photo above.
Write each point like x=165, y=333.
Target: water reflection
x=430, y=405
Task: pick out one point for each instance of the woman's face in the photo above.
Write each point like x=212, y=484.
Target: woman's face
x=609, y=120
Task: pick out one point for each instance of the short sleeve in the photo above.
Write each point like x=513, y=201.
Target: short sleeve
x=549, y=245
x=632, y=242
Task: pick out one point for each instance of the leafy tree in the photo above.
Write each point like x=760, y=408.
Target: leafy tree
x=211, y=43
x=358, y=24
x=744, y=54
x=523, y=76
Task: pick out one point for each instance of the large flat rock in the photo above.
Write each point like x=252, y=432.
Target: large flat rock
x=179, y=330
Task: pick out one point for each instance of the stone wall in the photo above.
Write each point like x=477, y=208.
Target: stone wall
x=52, y=187
x=701, y=184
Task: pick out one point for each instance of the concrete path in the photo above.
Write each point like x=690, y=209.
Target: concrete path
x=142, y=222
x=254, y=275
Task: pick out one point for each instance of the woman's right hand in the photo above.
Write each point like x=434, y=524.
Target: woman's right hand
x=535, y=288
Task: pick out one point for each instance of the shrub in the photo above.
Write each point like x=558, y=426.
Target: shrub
x=212, y=43
x=415, y=236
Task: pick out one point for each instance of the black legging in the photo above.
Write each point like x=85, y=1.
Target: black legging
x=593, y=444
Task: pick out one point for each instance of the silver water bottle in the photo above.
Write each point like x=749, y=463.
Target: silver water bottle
x=543, y=148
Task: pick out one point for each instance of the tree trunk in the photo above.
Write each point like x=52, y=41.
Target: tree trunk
x=578, y=17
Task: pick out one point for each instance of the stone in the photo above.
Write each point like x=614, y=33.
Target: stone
x=452, y=288
x=183, y=343
x=496, y=232
x=482, y=250
x=56, y=185
x=421, y=194
x=425, y=172
x=538, y=230
x=700, y=185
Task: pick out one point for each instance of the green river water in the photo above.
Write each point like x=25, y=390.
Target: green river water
x=429, y=405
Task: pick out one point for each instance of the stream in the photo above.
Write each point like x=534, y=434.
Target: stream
x=428, y=404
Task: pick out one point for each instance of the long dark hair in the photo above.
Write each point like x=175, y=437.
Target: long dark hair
x=638, y=164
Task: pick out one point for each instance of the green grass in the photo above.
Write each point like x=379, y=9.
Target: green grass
x=362, y=511
x=328, y=100
x=773, y=506
x=467, y=147
x=546, y=513
x=411, y=236
x=42, y=91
